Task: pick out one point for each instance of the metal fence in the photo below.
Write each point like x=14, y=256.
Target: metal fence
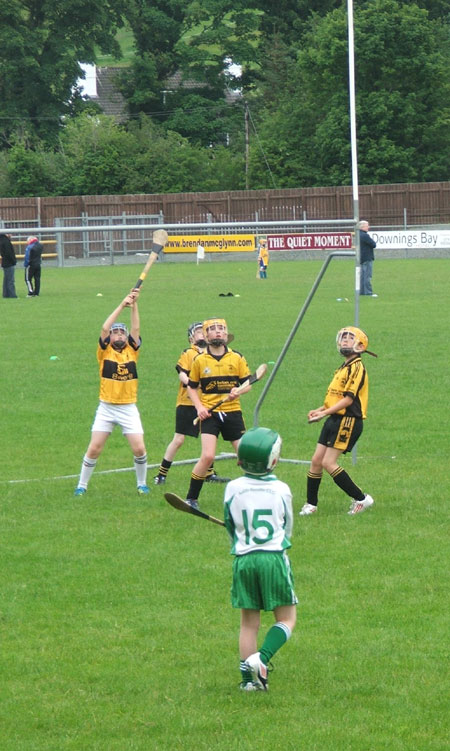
x=75, y=242
x=105, y=244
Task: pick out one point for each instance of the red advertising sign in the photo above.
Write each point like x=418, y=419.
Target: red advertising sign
x=313, y=241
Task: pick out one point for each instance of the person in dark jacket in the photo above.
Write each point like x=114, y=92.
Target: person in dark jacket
x=8, y=265
x=366, y=245
x=32, y=263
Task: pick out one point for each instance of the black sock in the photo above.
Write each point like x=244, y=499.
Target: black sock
x=312, y=488
x=164, y=468
x=345, y=483
x=195, y=487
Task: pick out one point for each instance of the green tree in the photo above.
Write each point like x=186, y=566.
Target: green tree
x=31, y=172
x=156, y=27
x=167, y=162
x=402, y=82
x=41, y=42
x=98, y=156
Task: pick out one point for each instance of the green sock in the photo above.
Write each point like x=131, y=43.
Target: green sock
x=276, y=636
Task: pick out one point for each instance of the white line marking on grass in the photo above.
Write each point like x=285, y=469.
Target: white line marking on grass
x=222, y=455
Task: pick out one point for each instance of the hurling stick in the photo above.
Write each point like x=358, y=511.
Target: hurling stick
x=181, y=505
x=159, y=240
x=256, y=376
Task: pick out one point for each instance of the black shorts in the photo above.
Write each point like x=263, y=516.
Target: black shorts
x=184, y=421
x=341, y=432
x=231, y=427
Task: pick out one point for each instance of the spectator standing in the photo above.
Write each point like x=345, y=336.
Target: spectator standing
x=9, y=261
x=263, y=259
x=367, y=245
x=32, y=263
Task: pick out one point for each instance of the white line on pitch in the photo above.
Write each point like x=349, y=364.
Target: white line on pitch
x=182, y=462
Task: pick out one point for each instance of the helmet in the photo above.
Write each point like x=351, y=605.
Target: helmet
x=193, y=327
x=119, y=327
x=360, y=341
x=119, y=345
x=258, y=451
x=218, y=322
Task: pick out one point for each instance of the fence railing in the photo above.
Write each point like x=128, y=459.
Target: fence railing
x=109, y=242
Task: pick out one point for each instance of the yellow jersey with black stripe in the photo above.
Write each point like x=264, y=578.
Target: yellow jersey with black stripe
x=264, y=256
x=184, y=364
x=217, y=375
x=118, y=372
x=350, y=379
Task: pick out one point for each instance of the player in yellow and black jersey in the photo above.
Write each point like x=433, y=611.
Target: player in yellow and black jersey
x=345, y=405
x=263, y=258
x=186, y=413
x=117, y=355
x=215, y=374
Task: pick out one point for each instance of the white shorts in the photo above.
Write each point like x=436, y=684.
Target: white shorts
x=109, y=415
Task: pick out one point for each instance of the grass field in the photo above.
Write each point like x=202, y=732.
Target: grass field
x=116, y=630
x=126, y=41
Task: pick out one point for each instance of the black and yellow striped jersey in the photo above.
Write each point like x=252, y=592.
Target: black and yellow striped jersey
x=184, y=364
x=350, y=379
x=263, y=256
x=217, y=375
x=118, y=372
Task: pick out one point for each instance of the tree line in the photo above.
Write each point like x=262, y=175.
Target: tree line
x=282, y=121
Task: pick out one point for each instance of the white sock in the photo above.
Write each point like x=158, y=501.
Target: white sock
x=140, y=465
x=87, y=468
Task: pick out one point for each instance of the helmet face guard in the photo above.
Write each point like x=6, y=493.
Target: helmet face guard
x=259, y=451
x=218, y=323
x=193, y=328
x=122, y=329
x=351, y=341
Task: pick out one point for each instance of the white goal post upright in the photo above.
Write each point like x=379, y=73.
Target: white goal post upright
x=354, y=152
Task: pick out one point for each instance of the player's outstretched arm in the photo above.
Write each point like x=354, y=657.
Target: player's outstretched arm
x=135, y=328
x=127, y=302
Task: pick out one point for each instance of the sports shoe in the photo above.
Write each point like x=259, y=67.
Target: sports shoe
x=249, y=686
x=193, y=503
x=216, y=478
x=358, y=507
x=159, y=480
x=143, y=489
x=79, y=491
x=258, y=671
x=373, y=294
x=307, y=509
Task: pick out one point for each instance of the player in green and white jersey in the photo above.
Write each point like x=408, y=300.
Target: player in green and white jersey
x=258, y=517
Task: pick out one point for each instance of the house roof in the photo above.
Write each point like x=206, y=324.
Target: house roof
x=178, y=81
x=108, y=96
x=111, y=101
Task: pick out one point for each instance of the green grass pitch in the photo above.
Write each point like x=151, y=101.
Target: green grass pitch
x=116, y=630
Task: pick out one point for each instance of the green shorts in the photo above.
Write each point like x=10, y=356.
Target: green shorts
x=262, y=581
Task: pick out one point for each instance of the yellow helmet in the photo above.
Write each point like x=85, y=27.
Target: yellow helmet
x=215, y=322
x=358, y=341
